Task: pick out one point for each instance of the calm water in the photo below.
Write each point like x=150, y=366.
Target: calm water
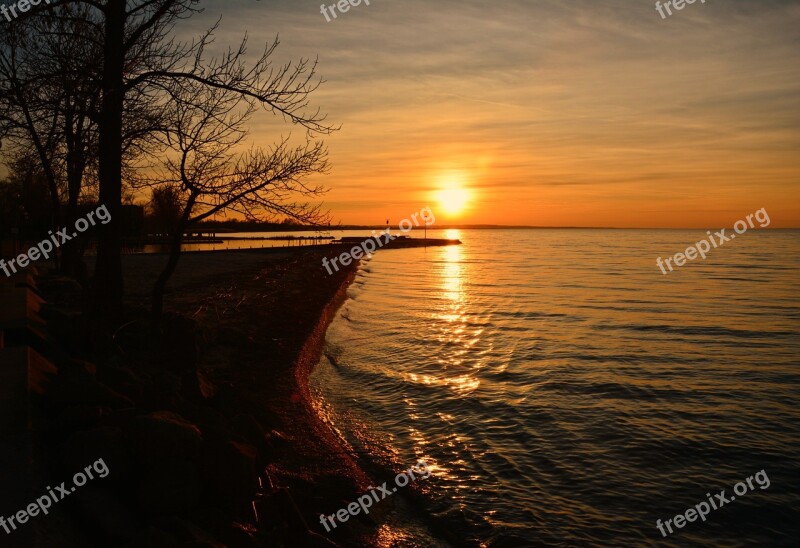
x=566, y=393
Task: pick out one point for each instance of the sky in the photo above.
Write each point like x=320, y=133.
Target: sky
x=545, y=112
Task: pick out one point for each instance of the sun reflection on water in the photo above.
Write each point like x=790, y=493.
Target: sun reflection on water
x=452, y=275
x=451, y=326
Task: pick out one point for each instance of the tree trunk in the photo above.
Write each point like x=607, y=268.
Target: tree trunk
x=176, y=240
x=71, y=251
x=107, y=290
x=157, y=305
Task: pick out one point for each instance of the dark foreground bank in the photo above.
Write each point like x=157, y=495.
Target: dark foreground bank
x=207, y=431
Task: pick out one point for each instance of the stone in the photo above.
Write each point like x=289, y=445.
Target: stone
x=181, y=342
x=170, y=487
x=121, y=379
x=110, y=518
x=86, y=447
x=163, y=435
x=230, y=467
x=196, y=386
x=70, y=390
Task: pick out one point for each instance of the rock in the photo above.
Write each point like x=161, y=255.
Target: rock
x=134, y=338
x=86, y=447
x=278, y=511
x=162, y=391
x=241, y=536
x=53, y=285
x=230, y=336
x=313, y=540
x=180, y=342
x=120, y=418
x=122, y=380
x=196, y=386
x=229, y=401
x=164, y=435
x=71, y=330
x=78, y=417
x=186, y=532
x=78, y=367
x=83, y=390
x=276, y=438
x=153, y=538
x=110, y=518
x=230, y=467
x=170, y=487
x=211, y=422
x=249, y=429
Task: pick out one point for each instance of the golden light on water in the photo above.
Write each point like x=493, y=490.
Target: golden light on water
x=453, y=234
x=453, y=277
x=452, y=330
x=461, y=384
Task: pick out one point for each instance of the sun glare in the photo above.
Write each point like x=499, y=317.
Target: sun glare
x=453, y=200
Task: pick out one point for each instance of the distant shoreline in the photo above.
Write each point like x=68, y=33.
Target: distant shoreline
x=222, y=231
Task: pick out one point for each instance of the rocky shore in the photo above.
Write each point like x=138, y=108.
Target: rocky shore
x=207, y=431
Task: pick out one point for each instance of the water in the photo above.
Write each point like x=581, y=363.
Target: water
x=567, y=393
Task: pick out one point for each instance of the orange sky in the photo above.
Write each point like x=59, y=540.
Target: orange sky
x=580, y=113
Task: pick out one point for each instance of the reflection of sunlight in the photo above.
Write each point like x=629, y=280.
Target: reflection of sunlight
x=452, y=281
x=461, y=384
x=451, y=329
x=452, y=234
x=392, y=535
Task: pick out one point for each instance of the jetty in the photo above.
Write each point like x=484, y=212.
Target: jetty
x=399, y=242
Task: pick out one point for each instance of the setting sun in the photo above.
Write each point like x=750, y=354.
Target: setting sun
x=453, y=200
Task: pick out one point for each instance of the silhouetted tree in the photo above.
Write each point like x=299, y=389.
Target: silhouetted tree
x=139, y=61
x=208, y=164
x=47, y=98
x=24, y=201
x=166, y=207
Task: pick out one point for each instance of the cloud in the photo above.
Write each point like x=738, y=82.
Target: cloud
x=605, y=97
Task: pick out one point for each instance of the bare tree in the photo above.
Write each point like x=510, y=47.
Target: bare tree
x=216, y=173
x=141, y=63
x=47, y=98
x=166, y=205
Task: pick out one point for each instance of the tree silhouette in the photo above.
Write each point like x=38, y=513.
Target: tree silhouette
x=207, y=160
x=138, y=63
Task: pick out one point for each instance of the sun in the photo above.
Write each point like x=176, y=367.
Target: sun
x=453, y=200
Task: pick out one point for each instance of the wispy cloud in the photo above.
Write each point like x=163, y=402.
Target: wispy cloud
x=555, y=112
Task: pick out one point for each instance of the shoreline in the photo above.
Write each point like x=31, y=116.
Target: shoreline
x=230, y=376
x=317, y=466
x=308, y=458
